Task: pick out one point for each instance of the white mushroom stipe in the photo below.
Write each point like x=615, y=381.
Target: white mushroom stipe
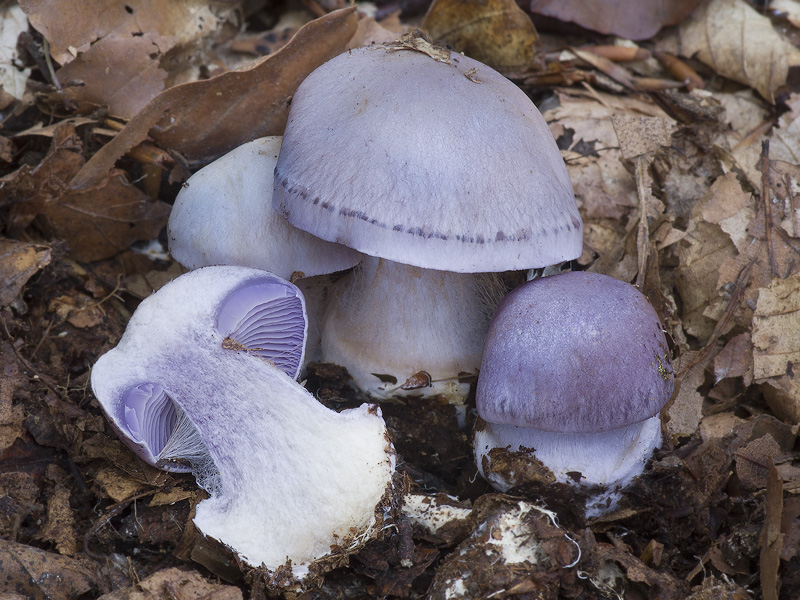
x=416, y=320
x=606, y=458
x=289, y=479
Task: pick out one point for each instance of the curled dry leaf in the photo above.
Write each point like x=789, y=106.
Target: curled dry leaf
x=495, y=32
x=631, y=19
x=755, y=55
x=735, y=359
x=204, y=119
x=18, y=262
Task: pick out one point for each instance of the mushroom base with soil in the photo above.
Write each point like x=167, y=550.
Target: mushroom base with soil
x=609, y=459
x=387, y=321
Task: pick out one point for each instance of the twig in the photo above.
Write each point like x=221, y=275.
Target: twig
x=765, y=197
x=113, y=511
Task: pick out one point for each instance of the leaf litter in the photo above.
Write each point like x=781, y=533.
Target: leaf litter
x=690, y=193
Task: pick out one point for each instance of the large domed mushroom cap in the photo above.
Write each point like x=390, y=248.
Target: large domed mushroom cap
x=574, y=353
x=440, y=165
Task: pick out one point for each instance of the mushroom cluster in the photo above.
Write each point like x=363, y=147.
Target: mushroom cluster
x=438, y=168
x=575, y=371
x=203, y=380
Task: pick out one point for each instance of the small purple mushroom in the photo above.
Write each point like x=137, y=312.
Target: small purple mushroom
x=443, y=172
x=203, y=380
x=575, y=371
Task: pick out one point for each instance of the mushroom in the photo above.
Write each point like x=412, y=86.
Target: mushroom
x=575, y=370
x=438, y=168
x=223, y=216
x=203, y=379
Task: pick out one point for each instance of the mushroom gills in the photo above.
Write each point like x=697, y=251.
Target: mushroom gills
x=165, y=434
x=607, y=458
x=265, y=319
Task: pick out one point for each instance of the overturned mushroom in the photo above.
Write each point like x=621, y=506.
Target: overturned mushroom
x=203, y=379
x=438, y=168
x=575, y=371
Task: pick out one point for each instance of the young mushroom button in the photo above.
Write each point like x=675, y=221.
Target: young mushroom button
x=439, y=169
x=575, y=371
x=203, y=380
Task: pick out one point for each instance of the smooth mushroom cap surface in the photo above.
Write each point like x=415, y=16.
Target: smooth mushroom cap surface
x=288, y=478
x=574, y=353
x=446, y=166
x=223, y=215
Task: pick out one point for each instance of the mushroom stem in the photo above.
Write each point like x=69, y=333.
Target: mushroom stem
x=606, y=458
x=393, y=320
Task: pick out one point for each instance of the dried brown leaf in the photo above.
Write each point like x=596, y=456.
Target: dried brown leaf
x=495, y=32
x=11, y=415
x=205, y=119
x=176, y=583
x=105, y=219
x=701, y=254
x=71, y=26
x=604, y=187
x=640, y=135
x=60, y=525
x=121, y=72
x=731, y=208
x=117, y=485
x=737, y=42
x=771, y=539
x=686, y=410
x=776, y=329
x=735, y=359
x=18, y=262
x=631, y=19
x=751, y=461
x=40, y=575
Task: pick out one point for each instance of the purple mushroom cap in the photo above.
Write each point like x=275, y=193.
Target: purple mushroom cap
x=439, y=164
x=574, y=353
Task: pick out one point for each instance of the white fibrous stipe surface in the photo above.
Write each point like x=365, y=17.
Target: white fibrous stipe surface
x=443, y=318
x=288, y=478
x=609, y=458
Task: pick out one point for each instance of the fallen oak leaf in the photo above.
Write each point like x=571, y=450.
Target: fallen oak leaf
x=234, y=107
x=71, y=26
x=737, y=42
x=495, y=32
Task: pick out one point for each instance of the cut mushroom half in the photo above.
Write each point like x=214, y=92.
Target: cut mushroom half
x=203, y=379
